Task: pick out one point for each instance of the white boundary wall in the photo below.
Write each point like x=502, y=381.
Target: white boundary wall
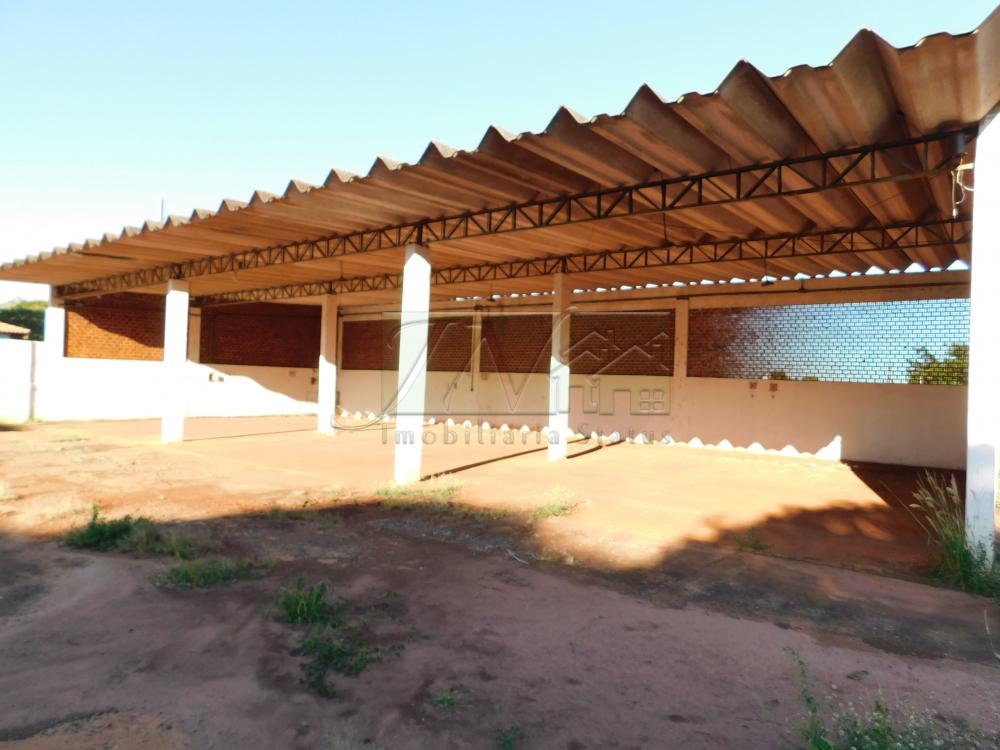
x=917, y=425
x=69, y=388
x=914, y=425
x=16, y=365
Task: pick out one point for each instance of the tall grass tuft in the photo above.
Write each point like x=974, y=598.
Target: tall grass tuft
x=137, y=536
x=940, y=511
x=837, y=723
x=100, y=533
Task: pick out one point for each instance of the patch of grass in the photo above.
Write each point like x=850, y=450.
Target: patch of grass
x=940, y=511
x=335, y=641
x=750, y=540
x=300, y=603
x=450, y=698
x=102, y=534
x=429, y=504
x=836, y=724
x=508, y=738
x=213, y=571
x=552, y=510
x=137, y=536
x=341, y=649
x=433, y=491
x=148, y=538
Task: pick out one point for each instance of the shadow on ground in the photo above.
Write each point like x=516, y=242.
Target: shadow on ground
x=533, y=633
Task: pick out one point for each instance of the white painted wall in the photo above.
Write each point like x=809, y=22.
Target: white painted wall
x=69, y=388
x=15, y=379
x=512, y=398
x=904, y=424
x=916, y=425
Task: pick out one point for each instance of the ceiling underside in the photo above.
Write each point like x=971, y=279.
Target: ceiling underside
x=872, y=93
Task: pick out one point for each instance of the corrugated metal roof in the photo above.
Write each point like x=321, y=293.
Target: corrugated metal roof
x=870, y=93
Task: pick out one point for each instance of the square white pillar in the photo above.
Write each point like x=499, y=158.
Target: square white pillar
x=411, y=386
x=327, y=381
x=175, y=349
x=477, y=348
x=559, y=368
x=194, y=336
x=54, y=335
x=982, y=463
x=682, y=312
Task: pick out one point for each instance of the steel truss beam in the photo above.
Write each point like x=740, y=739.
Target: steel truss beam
x=902, y=160
x=836, y=242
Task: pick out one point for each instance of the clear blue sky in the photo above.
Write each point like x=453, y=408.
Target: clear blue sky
x=107, y=107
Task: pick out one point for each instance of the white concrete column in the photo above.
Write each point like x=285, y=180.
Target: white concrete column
x=411, y=385
x=175, y=347
x=982, y=462
x=679, y=380
x=54, y=334
x=559, y=368
x=681, y=313
x=477, y=347
x=194, y=336
x=327, y=381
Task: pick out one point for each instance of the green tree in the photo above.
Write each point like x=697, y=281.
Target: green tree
x=28, y=315
x=951, y=369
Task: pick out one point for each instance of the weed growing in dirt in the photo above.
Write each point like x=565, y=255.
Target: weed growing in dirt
x=100, y=533
x=445, y=507
x=450, y=698
x=302, y=604
x=750, y=541
x=337, y=640
x=137, y=536
x=148, y=538
x=432, y=491
x=839, y=725
x=217, y=571
x=941, y=513
x=434, y=497
x=551, y=510
x=342, y=649
x=508, y=738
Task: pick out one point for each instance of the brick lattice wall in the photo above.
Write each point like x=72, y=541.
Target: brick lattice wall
x=617, y=344
x=859, y=342
x=622, y=343
x=516, y=343
x=261, y=334
x=116, y=326
x=374, y=344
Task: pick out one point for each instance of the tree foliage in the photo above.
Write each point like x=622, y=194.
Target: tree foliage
x=29, y=315
x=951, y=369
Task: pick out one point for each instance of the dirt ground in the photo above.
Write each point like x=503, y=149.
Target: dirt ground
x=656, y=614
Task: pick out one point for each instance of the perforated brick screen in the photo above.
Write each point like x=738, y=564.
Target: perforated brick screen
x=261, y=334
x=622, y=343
x=374, y=344
x=615, y=344
x=516, y=343
x=906, y=341
x=115, y=326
